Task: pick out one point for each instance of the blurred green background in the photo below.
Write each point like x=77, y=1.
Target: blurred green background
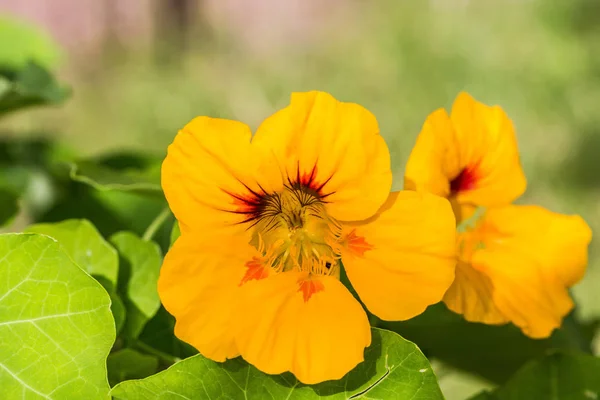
x=147, y=68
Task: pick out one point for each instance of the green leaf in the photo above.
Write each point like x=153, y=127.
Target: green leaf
x=86, y=246
x=104, y=178
x=55, y=323
x=492, y=352
x=393, y=369
x=158, y=334
x=557, y=376
x=21, y=42
x=129, y=364
x=30, y=86
x=9, y=206
x=139, y=272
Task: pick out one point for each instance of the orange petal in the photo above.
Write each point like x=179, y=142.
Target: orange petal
x=471, y=156
x=311, y=326
x=434, y=160
x=210, y=173
x=471, y=294
x=488, y=153
x=403, y=259
x=333, y=147
x=197, y=285
x=521, y=261
x=558, y=242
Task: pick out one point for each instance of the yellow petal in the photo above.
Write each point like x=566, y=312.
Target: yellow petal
x=534, y=301
x=403, y=259
x=311, y=326
x=558, y=242
x=470, y=157
x=334, y=148
x=518, y=263
x=434, y=160
x=488, y=151
x=471, y=294
x=197, y=285
x=210, y=169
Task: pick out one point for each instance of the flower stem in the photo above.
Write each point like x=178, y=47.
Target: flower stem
x=156, y=223
x=167, y=358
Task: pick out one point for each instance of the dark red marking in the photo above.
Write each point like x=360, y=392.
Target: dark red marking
x=307, y=182
x=466, y=180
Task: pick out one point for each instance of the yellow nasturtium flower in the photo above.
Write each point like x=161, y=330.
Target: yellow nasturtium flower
x=266, y=222
x=515, y=262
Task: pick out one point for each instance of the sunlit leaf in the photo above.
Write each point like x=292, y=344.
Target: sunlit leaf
x=141, y=261
x=129, y=364
x=85, y=245
x=559, y=375
x=394, y=369
x=9, y=206
x=55, y=323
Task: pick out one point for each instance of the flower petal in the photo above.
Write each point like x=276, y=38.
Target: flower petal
x=334, y=147
x=524, y=260
x=318, y=338
x=488, y=149
x=434, y=160
x=471, y=294
x=532, y=300
x=403, y=259
x=197, y=285
x=558, y=242
x=471, y=156
x=209, y=167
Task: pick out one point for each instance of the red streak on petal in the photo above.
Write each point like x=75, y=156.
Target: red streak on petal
x=308, y=287
x=357, y=244
x=256, y=270
x=466, y=180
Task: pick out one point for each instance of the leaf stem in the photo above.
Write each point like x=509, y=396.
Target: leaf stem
x=156, y=223
x=169, y=359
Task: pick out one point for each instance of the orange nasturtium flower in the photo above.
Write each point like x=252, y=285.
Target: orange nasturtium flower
x=515, y=263
x=265, y=223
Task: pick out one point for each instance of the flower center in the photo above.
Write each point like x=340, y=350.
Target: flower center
x=293, y=231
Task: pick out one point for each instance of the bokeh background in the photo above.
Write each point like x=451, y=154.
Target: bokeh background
x=141, y=69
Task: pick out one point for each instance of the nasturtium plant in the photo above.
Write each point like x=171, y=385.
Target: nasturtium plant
x=393, y=369
x=55, y=323
x=101, y=296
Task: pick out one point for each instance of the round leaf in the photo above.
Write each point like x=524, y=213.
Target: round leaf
x=55, y=323
x=139, y=269
x=86, y=246
x=394, y=368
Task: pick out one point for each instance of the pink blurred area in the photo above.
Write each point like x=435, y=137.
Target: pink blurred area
x=84, y=26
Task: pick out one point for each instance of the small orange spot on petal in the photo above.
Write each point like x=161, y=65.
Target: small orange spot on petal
x=357, y=244
x=256, y=270
x=308, y=287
